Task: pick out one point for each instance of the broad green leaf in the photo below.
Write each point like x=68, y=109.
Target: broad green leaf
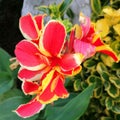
x=96, y=6
x=6, y=82
x=4, y=61
x=64, y=6
x=8, y=106
x=74, y=109
x=11, y=93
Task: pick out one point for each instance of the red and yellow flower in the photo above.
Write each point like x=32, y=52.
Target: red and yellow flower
x=85, y=40
x=45, y=64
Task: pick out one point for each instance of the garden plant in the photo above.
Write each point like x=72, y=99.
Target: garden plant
x=63, y=70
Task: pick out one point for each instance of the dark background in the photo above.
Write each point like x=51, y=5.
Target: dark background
x=10, y=12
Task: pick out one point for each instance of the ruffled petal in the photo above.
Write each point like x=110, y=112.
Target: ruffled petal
x=54, y=89
x=47, y=95
x=84, y=48
x=29, y=56
x=71, y=72
x=69, y=62
x=25, y=74
x=107, y=50
x=53, y=38
x=31, y=108
x=29, y=27
x=30, y=88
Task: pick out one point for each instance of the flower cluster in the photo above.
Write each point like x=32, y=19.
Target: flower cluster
x=47, y=56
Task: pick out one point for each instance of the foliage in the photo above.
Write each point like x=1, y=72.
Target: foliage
x=100, y=69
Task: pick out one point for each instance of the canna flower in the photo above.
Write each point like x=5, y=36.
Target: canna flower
x=44, y=66
x=84, y=39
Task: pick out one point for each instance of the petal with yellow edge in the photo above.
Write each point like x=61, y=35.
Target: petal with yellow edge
x=24, y=74
x=30, y=88
x=53, y=38
x=39, y=21
x=69, y=62
x=50, y=93
x=29, y=27
x=29, y=109
x=71, y=72
x=108, y=51
x=60, y=89
x=28, y=55
x=97, y=41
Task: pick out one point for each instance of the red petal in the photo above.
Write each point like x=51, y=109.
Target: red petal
x=29, y=109
x=24, y=74
x=97, y=42
x=60, y=89
x=29, y=87
x=70, y=61
x=29, y=27
x=107, y=50
x=29, y=55
x=39, y=21
x=71, y=42
x=72, y=72
x=53, y=38
x=51, y=92
x=84, y=48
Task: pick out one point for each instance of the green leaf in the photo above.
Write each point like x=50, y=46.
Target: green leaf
x=106, y=118
x=44, y=9
x=101, y=67
x=112, y=90
x=90, y=63
x=7, y=107
x=98, y=92
x=74, y=109
x=116, y=108
x=6, y=82
x=64, y=6
x=70, y=13
x=115, y=81
x=96, y=6
x=105, y=76
x=77, y=85
x=109, y=103
x=11, y=93
x=4, y=61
